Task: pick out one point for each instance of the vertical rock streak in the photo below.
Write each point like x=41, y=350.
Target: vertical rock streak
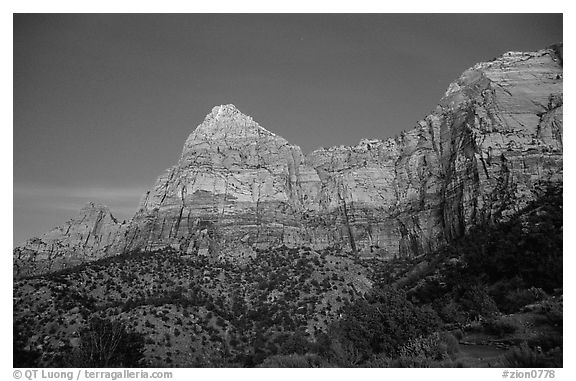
x=238, y=187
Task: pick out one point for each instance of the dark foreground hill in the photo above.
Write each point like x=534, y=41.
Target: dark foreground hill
x=496, y=295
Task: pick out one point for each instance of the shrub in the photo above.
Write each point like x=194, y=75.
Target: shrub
x=382, y=361
x=379, y=361
x=526, y=357
x=23, y=357
x=478, y=302
x=382, y=322
x=344, y=354
x=435, y=347
x=220, y=322
x=295, y=361
x=528, y=246
x=295, y=343
x=458, y=334
x=451, y=342
x=503, y=326
x=107, y=344
x=449, y=311
x=52, y=328
x=510, y=296
x=546, y=341
x=412, y=362
x=553, y=312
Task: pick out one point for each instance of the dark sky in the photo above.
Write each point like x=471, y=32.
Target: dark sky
x=104, y=103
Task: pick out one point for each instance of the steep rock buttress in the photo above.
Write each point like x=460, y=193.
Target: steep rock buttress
x=238, y=187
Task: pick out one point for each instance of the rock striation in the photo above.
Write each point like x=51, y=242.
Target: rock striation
x=237, y=187
x=91, y=235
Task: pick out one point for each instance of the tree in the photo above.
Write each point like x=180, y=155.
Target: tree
x=107, y=344
x=23, y=358
x=381, y=322
x=296, y=343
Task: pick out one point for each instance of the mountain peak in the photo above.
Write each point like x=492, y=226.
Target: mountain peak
x=227, y=115
x=224, y=110
x=227, y=132
x=225, y=123
x=406, y=195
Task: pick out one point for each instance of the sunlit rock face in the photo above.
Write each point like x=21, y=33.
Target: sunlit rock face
x=501, y=124
x=91, y=235
x=476, y=157
x=237, y=187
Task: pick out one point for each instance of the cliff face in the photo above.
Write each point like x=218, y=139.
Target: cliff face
x=237, y=186
x=91, y=235
x=474, y=159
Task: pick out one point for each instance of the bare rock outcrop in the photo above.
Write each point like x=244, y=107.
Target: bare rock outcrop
x=91, y=235
x=237, y=187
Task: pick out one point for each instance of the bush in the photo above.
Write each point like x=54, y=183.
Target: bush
x=449, y=311
x=503, y=326
x=23, y=357
x=296, y=343
x=451, y=342
x=526, y=357
x=382, y=361
x=553, y=311
x=431, y=347
x=458, y=334
x=477, y=302
x=383, y=322
x=412, y=362
x=295, y=361
x=107, y=344
x=345, y=354
x=379, y=361
x=528, y=246
x=511, y=296
x=547, y=341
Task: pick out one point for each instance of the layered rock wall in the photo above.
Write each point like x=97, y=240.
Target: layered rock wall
x=495, y=134
x=91, y=235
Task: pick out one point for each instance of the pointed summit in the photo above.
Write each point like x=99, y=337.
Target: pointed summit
x=225, y=127
x=224, y=111
x=477, y=157
x=227, y=121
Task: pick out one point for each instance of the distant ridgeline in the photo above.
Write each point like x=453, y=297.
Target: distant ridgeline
x=237, y=187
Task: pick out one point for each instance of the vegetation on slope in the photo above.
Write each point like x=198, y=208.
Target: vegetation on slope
x=497, y=291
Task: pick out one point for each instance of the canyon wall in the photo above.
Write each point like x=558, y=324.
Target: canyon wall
x=237, y=187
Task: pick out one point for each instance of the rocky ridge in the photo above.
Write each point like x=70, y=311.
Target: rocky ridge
x=94, y=233
x=238, y=187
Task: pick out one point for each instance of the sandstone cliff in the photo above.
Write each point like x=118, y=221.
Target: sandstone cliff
x=238, y=187
x=91, y=235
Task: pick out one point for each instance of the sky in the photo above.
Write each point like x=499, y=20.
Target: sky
x=102, y=103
